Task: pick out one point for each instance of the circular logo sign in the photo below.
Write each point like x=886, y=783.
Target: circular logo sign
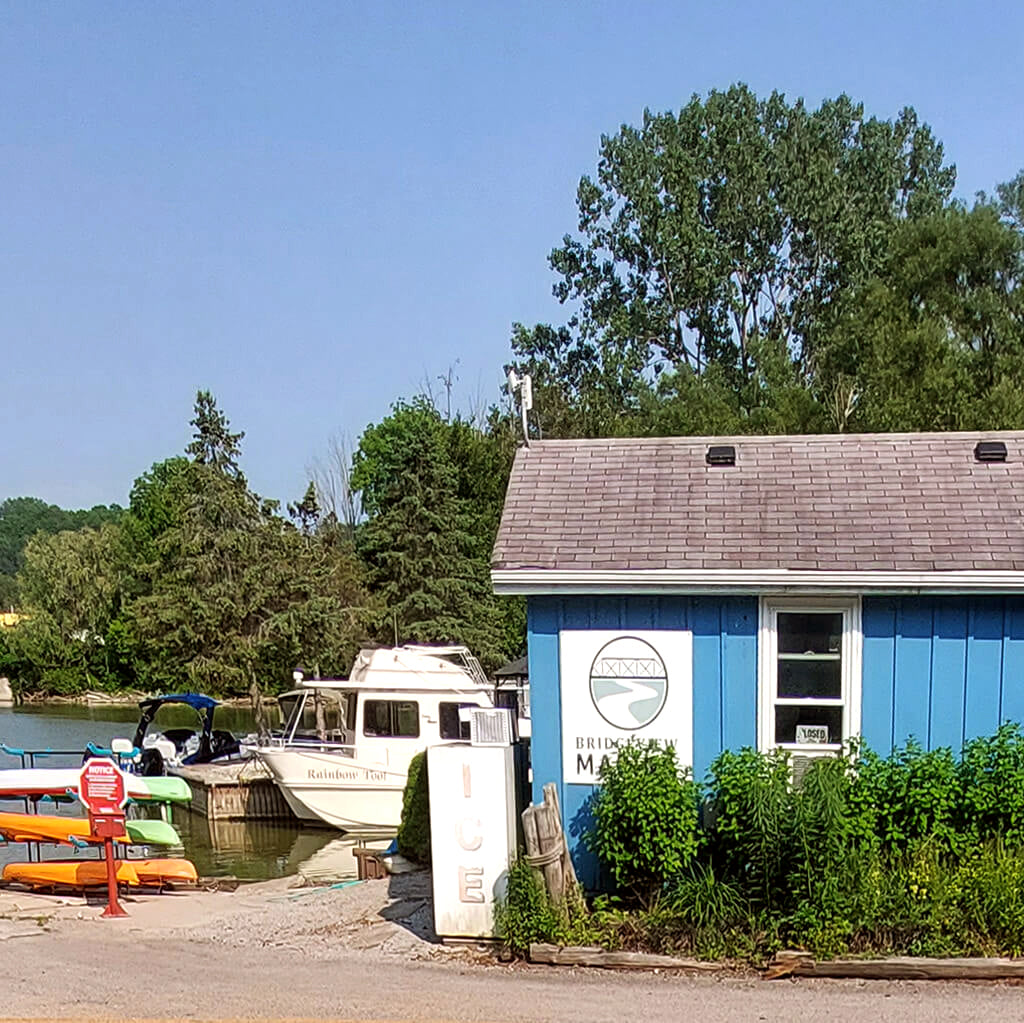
x=628, y=683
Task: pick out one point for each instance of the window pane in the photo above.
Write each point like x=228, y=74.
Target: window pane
x=810, y=632
x=377, y=718
x=451, y=727
x=817, y=679
x=407, y=719
x=814, y=719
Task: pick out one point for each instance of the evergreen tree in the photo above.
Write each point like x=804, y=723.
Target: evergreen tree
x=213, y=443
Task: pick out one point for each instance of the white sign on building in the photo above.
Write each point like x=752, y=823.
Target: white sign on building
x=623, y=684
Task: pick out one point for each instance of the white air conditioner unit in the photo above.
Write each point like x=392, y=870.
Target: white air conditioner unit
x=490, y=726
x=799, y=763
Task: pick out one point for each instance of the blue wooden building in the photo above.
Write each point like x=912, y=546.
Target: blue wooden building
x=764, y=591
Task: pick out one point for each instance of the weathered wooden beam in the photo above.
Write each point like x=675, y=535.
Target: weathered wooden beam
x=800, y=964
x=587, y=955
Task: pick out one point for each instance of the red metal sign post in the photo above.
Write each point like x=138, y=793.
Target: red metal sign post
x=102, y=788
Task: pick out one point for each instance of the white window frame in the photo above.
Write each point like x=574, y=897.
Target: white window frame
x=768, y=660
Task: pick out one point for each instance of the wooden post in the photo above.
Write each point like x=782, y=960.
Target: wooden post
x=532, y=841
x=549, y=831
x=551, y=797
x=546, y=849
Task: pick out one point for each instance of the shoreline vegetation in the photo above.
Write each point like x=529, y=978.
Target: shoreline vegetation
x=94, y=698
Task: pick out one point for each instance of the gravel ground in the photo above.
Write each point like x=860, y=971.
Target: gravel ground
x=368, y=952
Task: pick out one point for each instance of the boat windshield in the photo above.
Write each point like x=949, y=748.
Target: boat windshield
x=321, y=715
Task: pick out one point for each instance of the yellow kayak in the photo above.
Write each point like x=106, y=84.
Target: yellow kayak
x=93, y=873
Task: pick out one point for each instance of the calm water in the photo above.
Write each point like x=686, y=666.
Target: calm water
x=253, y=850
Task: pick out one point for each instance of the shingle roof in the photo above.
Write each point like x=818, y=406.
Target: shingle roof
x=848, y=502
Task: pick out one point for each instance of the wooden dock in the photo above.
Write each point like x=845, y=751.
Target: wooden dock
x=237, y=790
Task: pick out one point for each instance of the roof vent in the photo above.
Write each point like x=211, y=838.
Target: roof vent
x=990, y=451
x=721, y=454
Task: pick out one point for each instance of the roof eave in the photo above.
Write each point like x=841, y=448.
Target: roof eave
x=539, y=582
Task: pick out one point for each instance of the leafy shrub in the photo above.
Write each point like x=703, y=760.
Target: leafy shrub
x=525, y=914
x=917, y=853
x=750, y=820
x=992, y=785
x=645, y=818
x=915, y=794
x=414, y=831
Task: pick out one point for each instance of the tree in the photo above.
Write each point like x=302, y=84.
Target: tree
x=71, y=589
x=935, y=340
x=213, y=443
x=338, y=502
x=722, y=237
x=306, y=513
x=234, y=593
x=23, y=517
x=428, y=489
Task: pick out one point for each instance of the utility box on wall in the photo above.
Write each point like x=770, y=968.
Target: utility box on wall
x=473, y=834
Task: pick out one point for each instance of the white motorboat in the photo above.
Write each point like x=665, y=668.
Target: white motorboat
x=344, y=755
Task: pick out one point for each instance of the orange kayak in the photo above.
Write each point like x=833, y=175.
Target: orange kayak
x=38, y=827
x=168, y=871
x=93, y=873
x=69, y=873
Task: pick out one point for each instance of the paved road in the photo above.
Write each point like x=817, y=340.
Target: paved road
x=88, y=974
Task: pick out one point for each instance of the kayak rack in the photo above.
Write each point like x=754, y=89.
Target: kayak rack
x=28, y=758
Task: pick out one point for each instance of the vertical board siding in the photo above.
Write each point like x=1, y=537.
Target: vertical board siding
x=949, y=676
x=878, y=656
x=724, y=684
x=984, y=667
x=706, y=623
x=739, y=676
x=1011, y=703
x=914, y=632
x=954, y=667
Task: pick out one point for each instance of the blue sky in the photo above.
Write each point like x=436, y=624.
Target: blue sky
x=310, y=209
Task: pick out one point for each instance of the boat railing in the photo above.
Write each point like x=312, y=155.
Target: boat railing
x=314, y=744
x=28, y=756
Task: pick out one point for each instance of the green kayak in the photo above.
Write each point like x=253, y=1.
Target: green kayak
x=152, y=832
x=164, y=790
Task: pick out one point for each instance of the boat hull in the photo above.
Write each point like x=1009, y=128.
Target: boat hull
x=339, y=790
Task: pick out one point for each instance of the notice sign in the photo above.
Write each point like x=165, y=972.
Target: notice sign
x=101, y=787
x=618, y=685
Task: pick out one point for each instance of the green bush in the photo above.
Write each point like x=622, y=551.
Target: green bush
x=414, y=831
x=749, y=819
x=645, y=818
x=915, y=794
x=992, y=786
x=919, y=853
x=525, y=914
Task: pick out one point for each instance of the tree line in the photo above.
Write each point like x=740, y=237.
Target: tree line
x=742, y=265
x=201, y=583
